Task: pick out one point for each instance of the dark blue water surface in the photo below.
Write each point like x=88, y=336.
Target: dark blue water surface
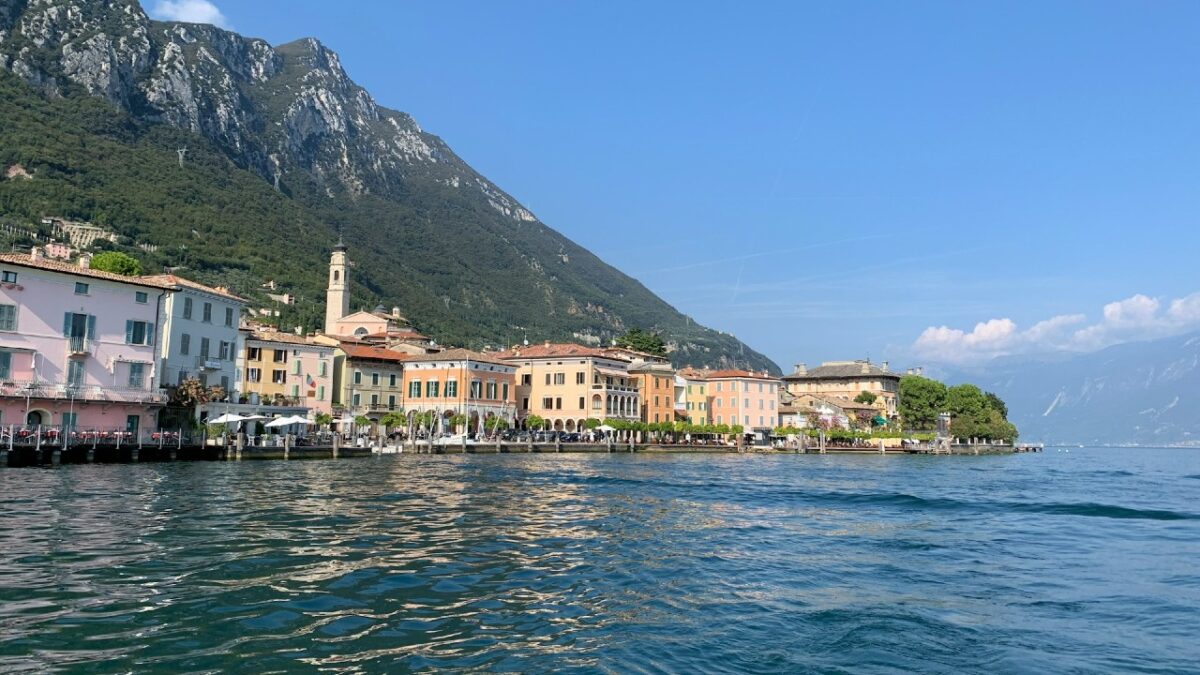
x=1080, y=561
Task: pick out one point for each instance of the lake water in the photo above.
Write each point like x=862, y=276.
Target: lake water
x=1079, y=561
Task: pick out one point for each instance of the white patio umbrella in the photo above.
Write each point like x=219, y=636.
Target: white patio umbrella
x=279, y=422
x=605, y=427
x=228, y=418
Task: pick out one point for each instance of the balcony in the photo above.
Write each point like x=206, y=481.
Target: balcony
x=80, y=347
x=55, y=391
x=207, y=363
x=616, y=388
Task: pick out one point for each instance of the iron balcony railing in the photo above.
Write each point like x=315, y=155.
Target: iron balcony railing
x=78, y=345
x=50, y=390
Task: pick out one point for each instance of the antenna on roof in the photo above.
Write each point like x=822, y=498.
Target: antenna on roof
x=182, y=152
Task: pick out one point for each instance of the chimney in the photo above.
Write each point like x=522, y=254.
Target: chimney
x=35, y=253
x=801, y=369
x=866, y=367
x=885, y=366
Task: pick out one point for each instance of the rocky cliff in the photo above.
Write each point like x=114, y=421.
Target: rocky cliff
x=465, y=258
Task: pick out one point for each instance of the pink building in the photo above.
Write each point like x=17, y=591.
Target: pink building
x=77, y=345
x=744, y=397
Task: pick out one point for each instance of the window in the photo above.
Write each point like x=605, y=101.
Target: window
x=525, y=404
x=579, y=377
x=137, y=375
x=10, y=277
x=476, y=389
x=280, y=356
x=225, y=351
x=229, y=316
x=70, y=419
x=254, y=353
x=75, y=373
x=655, y=401
x=187, y=308
x=81, y=288
x=321, y=393
x=548, y=403
x=547, y=379
x=203, y=378
x=8, y=317
x=5, y=365
x=140, y=297
x=254, y=374
x=760, y=387
x=732, y=402
x=760, y=404
x=558, y=404
x=392, y=381
x=392, y=402
x=183, y=376
x=772, y=404
x=205, y=346
x=745, y=403
x=451, y=388
x=581, y=403
x=746, y=420
x=207, y=316
x=355, y=399
x=560, y=378
x=295, y=391
x=374, y=400
x=431, y=389
x=718, y=386
x=374, y=379
x=358, y=377
x=225, y=384
x=279, y=377
x=504, y=392
x=718, y=419
x=414, y=389
x=139, y=333
x=491, y=390
x=296, y=367
x=185, y=344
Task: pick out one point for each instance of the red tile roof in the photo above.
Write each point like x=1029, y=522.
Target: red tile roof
x=173, y=280
x=358, y=351
x=740, y=374
x=459, y=355
x=552, y=350
x=26, y=260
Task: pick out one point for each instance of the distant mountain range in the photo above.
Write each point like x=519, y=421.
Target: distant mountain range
x=283, y=153
x=1140, y=393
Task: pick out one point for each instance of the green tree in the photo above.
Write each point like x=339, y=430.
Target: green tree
x=865, y=398
x=323, y=419
x=534, y=422
x=495, y=423
x=996, y=404
x=117, y=263
x=643, y=341
x=394, y=419
x=591, y=423
x=921, y=400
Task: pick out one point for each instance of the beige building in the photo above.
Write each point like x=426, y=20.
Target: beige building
x=842, y=381
x=568, y=384
x=695, y=395
x=368, y=380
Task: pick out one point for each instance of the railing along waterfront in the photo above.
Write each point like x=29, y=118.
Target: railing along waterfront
x=54, y=390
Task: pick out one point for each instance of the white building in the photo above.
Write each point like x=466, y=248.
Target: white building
x=199, y=333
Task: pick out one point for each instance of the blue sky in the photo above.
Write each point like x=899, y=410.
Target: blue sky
x=922, y=182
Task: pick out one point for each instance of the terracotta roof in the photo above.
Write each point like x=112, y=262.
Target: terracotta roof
x=404, y=334
x=358, y=351
x=739, y=374
x=552, y=350
x=692, y=373
x=842, y=370
x=26, y=260
x=289, y=338
x=459, y=355
x=173, y=280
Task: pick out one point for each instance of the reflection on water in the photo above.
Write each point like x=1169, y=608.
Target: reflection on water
x=1038, y=562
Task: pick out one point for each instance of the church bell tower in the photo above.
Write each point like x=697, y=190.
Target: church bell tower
x=337, y=295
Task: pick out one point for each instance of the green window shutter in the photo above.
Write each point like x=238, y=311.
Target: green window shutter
x=5, y=365
x=67, y=324
x=128, y=332
x=149, y=333
x=91, y=327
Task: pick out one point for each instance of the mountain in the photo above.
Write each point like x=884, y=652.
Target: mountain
x=1140, y=393
x=283, y=153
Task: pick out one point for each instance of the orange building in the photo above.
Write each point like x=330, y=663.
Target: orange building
x=744, y=397
x=568, y=384
x=657, y=385
x=460, y=382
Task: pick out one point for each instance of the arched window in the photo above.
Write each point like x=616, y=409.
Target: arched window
x=336, y=275
x=360, y=331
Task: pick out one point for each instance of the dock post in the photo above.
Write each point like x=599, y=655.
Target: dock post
x=337, y=443
x=821, y=441
x=287, y=445
x=882, y=451
x=463, y=445
x=133, y=455
x=557, y=444
x=239, y=445
x=529, y=443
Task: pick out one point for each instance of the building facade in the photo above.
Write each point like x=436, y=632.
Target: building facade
x=285, y=370
x=844, y=380
x=567, y=384
x=78, y=347
x=743, y=397
x=368, y=380
x=199, y=335
x=656, y=386
x=694, y=383
x=461, y=382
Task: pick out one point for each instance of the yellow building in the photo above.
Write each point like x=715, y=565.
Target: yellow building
x=568, y=384
x=695, y=395
x=843, y=381
x=284, y=369
x=656, y=384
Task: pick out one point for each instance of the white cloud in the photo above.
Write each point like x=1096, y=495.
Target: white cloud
x=1136, y=318
x=189, y=11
